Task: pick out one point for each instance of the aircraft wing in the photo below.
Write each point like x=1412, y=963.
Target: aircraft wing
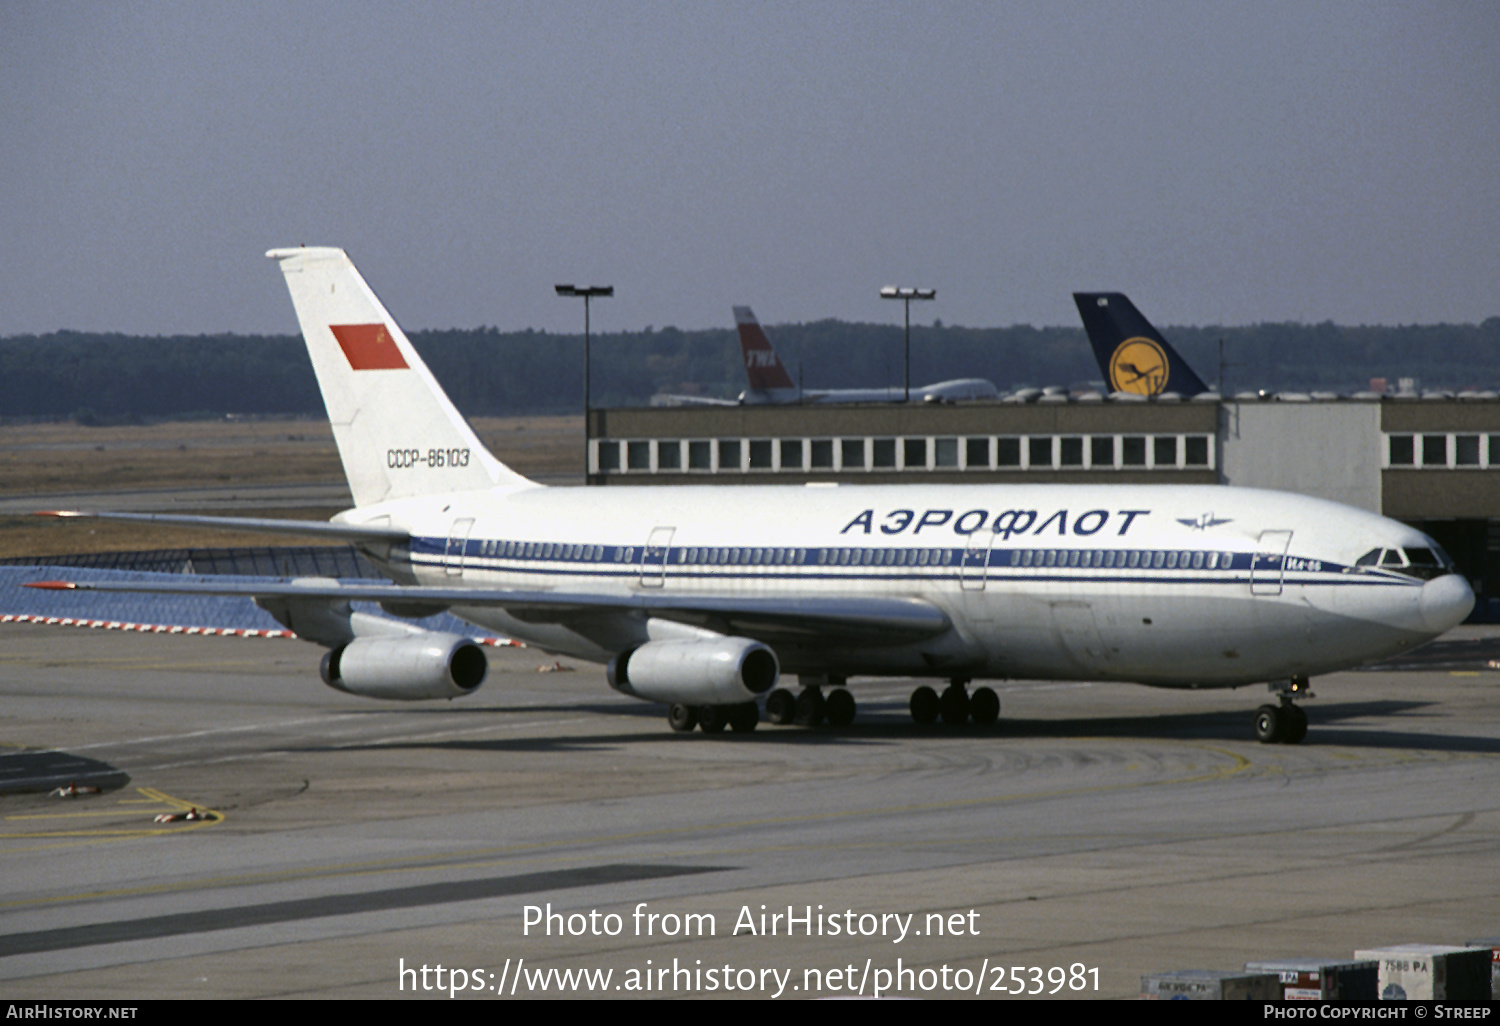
x=309, y=528
x=851, y=618
x=664, y=399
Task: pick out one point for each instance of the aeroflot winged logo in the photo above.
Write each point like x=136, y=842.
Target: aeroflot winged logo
x=1138, y=365
x=368, y=347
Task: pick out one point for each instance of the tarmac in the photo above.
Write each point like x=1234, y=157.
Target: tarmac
x=320, y=845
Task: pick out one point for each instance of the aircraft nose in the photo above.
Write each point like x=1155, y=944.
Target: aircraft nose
x=1446, y=601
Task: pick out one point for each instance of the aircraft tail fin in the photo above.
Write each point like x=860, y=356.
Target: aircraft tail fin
x=398, y=435
x=763, y=368
x=1132, y=354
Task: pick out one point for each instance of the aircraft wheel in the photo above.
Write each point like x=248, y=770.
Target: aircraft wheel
x=838, y=708
x=743, y=717
x=712, y=719
x=954, y=705
x=682, y=718
x=924, y=705
x=781, y=707
x=1269, y=724
x=810, y=707
x=1296, y=725
x=984, y=706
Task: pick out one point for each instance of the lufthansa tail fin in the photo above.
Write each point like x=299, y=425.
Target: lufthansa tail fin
x=1132, y=354
x=397, y=433
x=763, y=368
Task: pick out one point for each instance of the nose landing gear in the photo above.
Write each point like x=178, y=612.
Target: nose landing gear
x=1285, y=723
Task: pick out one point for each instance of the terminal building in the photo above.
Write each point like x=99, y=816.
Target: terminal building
x=1430, y=460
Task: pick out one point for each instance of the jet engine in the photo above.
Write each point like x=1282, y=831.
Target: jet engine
x=426, y=665
x=715, y=671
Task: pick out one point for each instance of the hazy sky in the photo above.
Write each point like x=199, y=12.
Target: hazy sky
x=1221, y=162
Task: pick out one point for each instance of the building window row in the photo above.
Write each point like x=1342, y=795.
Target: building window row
x=1442, y=451
x=983, y=452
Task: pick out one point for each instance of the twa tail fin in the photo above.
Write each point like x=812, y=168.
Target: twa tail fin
x=763, y=368
x=1132, y=354
x=398, y=434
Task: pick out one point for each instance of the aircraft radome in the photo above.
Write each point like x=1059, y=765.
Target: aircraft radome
x=703, y=598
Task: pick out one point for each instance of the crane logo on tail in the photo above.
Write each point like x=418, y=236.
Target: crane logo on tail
x=1138, y=365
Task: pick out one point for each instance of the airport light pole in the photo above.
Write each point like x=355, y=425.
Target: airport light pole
x=906, y=296
x=588, y=292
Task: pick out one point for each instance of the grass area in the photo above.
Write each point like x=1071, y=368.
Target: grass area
x=50, y=459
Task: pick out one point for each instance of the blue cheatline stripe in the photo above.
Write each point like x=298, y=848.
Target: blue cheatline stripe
x=864, y=563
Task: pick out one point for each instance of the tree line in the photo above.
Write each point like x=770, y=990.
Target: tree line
x=106, y=378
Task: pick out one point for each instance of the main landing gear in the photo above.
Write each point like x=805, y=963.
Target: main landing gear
x=1285, y=723
x=955, y=705
x=712, y=719
x=813, y=707
x=810, y=707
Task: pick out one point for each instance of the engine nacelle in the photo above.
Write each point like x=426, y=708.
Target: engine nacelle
x=720, y=671
x=429, y=665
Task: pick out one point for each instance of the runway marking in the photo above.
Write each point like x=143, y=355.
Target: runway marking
x=485, y=856
x=206, y=733
x=295, y=910
x=157, y=798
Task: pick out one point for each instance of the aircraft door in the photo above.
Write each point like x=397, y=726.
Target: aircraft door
x=458, y=541
x=1268, y=565
x=974, y=568
x=654, y=557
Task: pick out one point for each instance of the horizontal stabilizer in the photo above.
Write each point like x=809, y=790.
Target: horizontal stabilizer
x=261, y=525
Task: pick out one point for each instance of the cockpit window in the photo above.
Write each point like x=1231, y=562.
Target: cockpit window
x=1421, y=563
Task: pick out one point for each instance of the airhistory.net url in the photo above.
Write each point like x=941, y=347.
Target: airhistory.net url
x=517, y=979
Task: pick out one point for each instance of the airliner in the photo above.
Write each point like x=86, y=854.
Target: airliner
x=707, y=598
x=769, y=381
x=1133, y=355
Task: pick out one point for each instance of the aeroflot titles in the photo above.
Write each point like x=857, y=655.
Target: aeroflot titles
x=1011, y=522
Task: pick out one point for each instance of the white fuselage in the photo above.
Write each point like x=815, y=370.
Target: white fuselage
x=959, y=390
x=1182, y=586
